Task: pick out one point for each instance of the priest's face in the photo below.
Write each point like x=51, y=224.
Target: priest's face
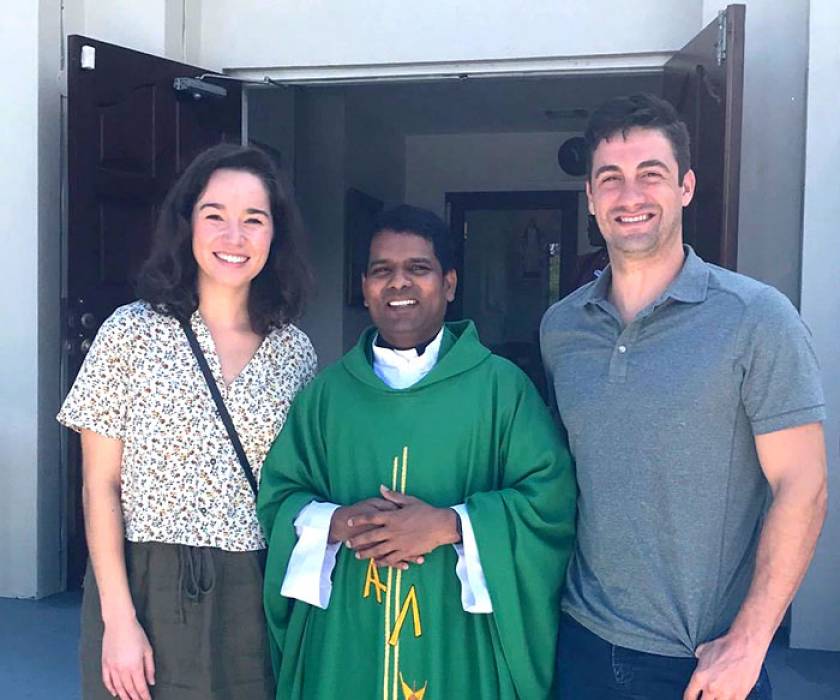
x=405, y=288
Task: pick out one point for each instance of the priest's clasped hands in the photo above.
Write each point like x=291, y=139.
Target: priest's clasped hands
x=395, y=530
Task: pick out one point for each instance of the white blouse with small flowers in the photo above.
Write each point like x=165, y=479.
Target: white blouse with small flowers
x=181, y=480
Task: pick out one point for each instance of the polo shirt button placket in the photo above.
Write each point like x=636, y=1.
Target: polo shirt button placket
x=619, y=359
x=618, y=363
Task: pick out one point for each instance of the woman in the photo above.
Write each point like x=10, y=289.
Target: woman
x=172, y=603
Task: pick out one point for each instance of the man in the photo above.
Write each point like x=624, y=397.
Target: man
x=691, y=401
x=418, y=439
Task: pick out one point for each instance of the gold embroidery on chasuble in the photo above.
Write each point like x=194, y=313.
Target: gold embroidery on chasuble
x=410, y=601
x=410, y=693
x=372, y=579
x=392, y=679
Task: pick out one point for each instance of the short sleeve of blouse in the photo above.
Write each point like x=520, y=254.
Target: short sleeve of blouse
x=310, y=361
x=98, y=398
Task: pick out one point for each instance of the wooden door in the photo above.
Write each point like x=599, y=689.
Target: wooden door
x=129, y=134
x=705, y=82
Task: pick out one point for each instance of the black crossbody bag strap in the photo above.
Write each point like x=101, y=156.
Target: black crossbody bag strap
x=220, y=405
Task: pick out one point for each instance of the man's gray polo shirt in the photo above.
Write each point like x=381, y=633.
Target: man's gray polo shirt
x=661, y=416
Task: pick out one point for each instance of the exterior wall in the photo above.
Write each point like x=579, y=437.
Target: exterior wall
x=169, y=28
x=19, y=36
x=816, y=614
x=249, y=33
x=122, y=22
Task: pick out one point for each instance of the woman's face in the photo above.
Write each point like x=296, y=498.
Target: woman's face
x=231, y=229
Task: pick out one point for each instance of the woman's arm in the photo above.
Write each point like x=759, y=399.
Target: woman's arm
x=127, y=661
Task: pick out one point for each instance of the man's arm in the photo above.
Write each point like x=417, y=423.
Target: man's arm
x=794, y=462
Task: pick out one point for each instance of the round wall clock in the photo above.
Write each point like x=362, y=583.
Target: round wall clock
x=571, y=156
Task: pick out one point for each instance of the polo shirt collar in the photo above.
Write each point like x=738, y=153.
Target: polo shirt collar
x=690, y=285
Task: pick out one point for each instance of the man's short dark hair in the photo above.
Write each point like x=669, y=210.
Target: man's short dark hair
x=642, y=111
x=421, y=222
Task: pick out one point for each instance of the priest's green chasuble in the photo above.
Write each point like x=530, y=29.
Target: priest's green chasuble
x=474, y=431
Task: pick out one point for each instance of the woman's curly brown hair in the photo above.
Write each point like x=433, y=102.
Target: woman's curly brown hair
x=167, y=280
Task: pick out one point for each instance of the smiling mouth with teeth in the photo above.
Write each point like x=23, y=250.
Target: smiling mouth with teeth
x=226, y=257
x=402, y=302
x=639, y=218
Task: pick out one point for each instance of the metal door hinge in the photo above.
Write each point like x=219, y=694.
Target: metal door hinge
x=720, y=46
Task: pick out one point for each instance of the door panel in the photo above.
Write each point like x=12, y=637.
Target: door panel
x=129, y=135
x=704, y=81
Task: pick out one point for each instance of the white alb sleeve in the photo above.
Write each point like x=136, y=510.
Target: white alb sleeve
x=475, y=598
x=309, y=573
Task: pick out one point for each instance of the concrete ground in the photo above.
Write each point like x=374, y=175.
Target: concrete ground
x=38, y=656
x=38, y=648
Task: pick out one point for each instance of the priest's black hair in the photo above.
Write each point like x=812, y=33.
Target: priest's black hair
x=421, y=222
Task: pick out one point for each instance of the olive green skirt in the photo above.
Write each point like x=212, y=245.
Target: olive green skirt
x=201, y=608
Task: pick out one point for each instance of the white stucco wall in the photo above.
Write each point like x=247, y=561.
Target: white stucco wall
x=252, y=33
x=169, y=28
x=816, y=610
x=19, y=288
x=140, y=26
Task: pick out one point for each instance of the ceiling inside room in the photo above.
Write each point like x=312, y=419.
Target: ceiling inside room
x=488, y=105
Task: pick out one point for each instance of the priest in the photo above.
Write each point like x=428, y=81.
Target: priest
x=419, y=504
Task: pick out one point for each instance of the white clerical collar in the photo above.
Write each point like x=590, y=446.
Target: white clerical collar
x=400, y=369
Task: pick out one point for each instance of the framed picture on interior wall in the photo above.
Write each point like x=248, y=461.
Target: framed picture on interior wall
x=360, y=210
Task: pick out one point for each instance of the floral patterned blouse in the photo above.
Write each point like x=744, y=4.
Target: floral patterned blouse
x=181, y=480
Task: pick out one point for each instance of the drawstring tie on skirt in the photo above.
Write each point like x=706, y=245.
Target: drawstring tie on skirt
x=196, y=575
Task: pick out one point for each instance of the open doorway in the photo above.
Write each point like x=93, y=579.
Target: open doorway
x=458, y=148
x=515, y=256
x=424, y=140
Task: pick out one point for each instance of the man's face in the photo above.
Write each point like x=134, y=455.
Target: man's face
x=635, y=194
x=405, y=289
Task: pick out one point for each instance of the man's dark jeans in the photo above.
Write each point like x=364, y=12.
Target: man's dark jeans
x=588, y=668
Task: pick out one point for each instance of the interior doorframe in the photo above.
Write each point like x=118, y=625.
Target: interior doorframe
x=566, y=200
